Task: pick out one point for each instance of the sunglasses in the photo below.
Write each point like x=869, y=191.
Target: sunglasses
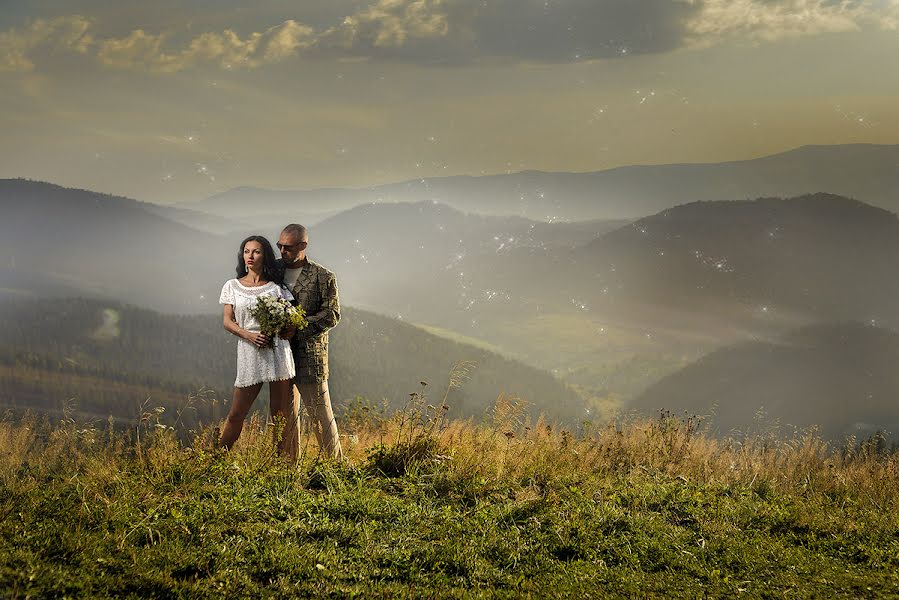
x=289, y=247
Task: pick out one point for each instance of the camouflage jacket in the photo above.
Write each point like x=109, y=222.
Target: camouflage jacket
x=315, y=291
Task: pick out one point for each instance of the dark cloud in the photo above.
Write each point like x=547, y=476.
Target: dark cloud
x=546, y=30
x=189, y=34
x=456, y=31
x=171, y=36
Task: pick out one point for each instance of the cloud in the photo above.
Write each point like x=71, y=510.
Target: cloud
x=540, y=30
x=547, y=30
x=427, y=31
x=769, y=20
x=461, y=31
x=138, y=48
x=18, y=47
x=143, y=51
x=390, y=24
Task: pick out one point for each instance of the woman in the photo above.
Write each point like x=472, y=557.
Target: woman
x=257, y=362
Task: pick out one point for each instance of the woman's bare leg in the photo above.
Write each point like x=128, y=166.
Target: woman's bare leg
x=284, y=410
x=240, y=406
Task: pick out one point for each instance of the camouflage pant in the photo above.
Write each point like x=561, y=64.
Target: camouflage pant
x=317, y=401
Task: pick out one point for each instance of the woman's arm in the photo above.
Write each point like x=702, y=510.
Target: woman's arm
x=231, y=326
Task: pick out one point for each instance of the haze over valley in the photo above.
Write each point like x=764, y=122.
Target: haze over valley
x=616, y=313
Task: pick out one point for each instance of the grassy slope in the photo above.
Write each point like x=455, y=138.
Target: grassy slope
x=449, y=334
x=607, y=361
x=647, y=509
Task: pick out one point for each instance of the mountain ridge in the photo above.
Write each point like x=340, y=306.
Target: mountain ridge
x=867, y=171
x=797, y=150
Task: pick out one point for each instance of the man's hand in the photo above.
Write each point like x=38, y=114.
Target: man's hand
x=287, y=333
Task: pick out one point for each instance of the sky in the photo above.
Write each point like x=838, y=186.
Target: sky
x=176, y=100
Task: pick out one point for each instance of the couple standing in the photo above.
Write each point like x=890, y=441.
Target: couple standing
x=296, y=363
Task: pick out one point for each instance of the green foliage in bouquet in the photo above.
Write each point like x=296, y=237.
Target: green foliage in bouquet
x=277, y=314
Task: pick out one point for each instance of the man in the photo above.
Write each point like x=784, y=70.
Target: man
x=315, y=290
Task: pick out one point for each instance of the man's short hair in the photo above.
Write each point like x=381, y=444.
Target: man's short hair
x=297, y=230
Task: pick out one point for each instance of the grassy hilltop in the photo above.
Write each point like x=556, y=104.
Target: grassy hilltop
x=428, y=507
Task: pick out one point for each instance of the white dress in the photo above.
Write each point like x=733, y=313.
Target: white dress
x=254, y=364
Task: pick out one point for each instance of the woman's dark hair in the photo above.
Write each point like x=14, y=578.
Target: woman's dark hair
x=270, y=270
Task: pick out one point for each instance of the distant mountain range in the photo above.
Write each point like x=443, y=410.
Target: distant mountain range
x=610, y=305
x=770, y=262
x=383, y=252
x=865, y=172
x=841, y=378
x=109, y=246
x=59, y=243
x=818, y=256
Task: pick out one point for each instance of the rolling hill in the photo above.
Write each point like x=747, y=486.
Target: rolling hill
x=841, y=378
x=108, y=357
x=59, y=241
x=608, y=307
x=108, y=246
x=641, y=301
x=381, y=252
x=768, y=263
x=820, y=255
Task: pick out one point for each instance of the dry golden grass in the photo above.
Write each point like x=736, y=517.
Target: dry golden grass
x=511, y=447
x=506, y=447
x=653, y=507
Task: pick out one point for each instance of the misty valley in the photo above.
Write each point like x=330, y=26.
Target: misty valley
x=756, y=296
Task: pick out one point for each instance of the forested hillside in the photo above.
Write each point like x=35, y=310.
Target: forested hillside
x=56, y=240
x=106, y=358
x=840, y=378
x=823, y=255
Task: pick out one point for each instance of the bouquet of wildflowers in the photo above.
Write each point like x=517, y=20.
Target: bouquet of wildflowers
x=275, y=315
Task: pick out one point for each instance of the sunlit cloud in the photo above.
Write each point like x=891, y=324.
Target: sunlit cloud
x=63, y=34
x=767, y=20
x=390, y=24
x=459, y=31
x=143, y=51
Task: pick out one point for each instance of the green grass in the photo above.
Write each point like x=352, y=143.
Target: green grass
x=606, y=360
x=455, y=336
x=502, y=509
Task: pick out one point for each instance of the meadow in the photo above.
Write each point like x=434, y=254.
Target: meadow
x=428, y=507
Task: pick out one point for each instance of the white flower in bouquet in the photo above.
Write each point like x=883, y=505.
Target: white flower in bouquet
x=276, y=315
